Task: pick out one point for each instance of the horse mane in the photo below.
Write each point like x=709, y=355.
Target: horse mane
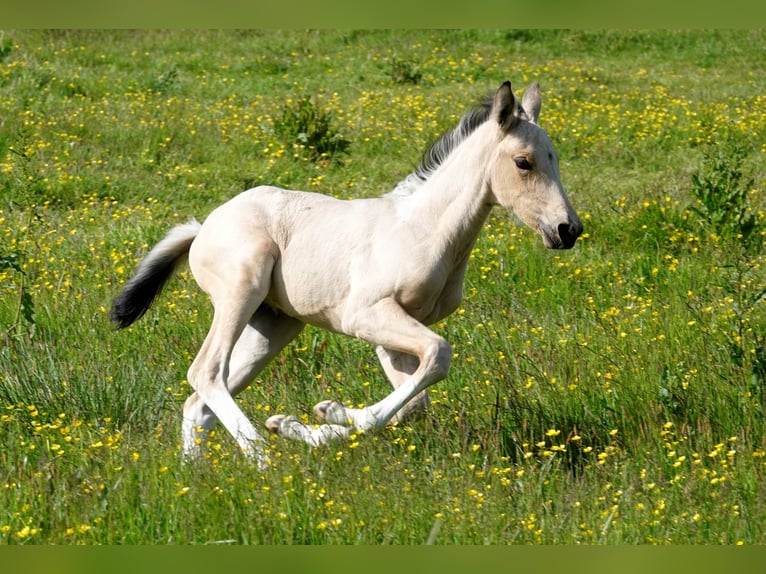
x=443, y=146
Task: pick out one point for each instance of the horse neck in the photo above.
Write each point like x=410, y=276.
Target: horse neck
x=454, y=201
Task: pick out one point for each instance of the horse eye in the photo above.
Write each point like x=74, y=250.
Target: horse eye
x=523, y=163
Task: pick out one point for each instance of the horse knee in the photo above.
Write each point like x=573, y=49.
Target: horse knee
x=193, y=374
x=205, y=372
x=438, y=358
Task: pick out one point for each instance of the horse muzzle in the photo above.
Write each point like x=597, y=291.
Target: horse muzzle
x=563, y=236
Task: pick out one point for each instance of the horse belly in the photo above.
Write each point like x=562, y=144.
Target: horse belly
x=310, y=282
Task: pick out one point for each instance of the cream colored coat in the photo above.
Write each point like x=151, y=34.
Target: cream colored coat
x=379, y=269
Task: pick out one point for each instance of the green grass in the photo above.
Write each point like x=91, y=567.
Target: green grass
x=614, y=393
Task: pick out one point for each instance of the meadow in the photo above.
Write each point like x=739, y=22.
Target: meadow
x=611, y=394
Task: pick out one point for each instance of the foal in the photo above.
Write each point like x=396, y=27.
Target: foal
x=381, y=269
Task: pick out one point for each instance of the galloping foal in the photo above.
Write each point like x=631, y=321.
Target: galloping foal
x=381, y=269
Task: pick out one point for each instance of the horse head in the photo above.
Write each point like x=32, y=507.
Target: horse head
x=524, y=175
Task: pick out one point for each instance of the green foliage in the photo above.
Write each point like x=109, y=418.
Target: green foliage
x=164, y=82
x=6, y=46
x=405, y=72
x=12, y=258
x=25, y=308
x=722, y=191
x=614, y=393
x=304, y=123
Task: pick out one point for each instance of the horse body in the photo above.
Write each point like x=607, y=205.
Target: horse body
x=379, y=269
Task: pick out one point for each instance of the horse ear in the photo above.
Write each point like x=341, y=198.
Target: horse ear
x=505, y=107
x=531, y=102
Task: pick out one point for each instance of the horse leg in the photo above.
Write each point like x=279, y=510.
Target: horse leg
x=265, y=335
x=293, y=428
x=237, y=281
x=387, y=325
x=398, y=367
x=209, y=375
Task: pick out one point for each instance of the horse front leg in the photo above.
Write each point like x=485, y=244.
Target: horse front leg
x=388, y=326
x=398, y=368
x=434, y=366
x=291, y=427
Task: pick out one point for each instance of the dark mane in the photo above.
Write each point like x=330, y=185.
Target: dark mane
x=438, y=151
x=448, y=141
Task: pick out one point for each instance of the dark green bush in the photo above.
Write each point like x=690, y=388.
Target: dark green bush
x=302, y=122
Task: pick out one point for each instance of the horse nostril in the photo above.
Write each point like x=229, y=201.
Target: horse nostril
x=568, y=234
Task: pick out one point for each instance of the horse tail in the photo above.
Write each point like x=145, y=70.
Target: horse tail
x=153, y=272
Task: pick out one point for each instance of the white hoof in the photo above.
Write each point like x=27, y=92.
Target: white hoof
x=274, y=423
x=332, y=412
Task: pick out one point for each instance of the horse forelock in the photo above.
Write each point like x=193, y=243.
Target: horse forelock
x=443, y=146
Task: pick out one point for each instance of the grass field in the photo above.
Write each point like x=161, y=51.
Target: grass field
x=610, y=394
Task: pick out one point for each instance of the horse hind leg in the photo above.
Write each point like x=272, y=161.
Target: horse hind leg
x=237, y=278
x=265, y=335
x=209, y=375
x=198, y=421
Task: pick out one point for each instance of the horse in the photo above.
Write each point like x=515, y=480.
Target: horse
x=379, y=269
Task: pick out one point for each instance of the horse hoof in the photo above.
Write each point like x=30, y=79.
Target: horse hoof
x=320, y=409
x=332, y=412
x=274, y=423
x=324, y=410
